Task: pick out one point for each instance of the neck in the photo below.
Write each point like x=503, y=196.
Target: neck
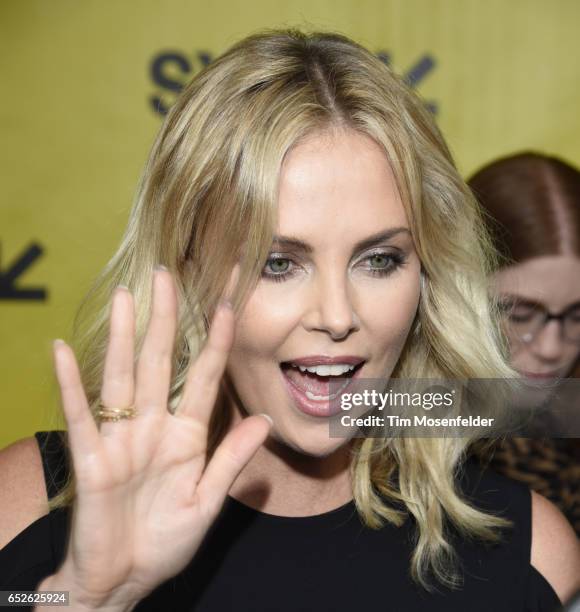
x=282, y=481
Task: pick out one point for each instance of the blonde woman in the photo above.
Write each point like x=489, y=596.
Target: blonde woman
x=308, y=215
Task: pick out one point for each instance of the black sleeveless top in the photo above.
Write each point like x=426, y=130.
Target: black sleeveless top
x=256, y=562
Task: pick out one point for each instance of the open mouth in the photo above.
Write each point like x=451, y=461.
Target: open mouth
x=320, y=383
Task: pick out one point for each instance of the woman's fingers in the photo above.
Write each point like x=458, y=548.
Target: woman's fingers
x=204, y=375
x=118, y=389
x=203, y=378
x=83, y=433
x=229, y=458
x=155, y=360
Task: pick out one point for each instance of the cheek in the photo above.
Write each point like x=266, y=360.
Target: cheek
x=573, y=356
x=520, y=358
x=259, y=331
x=388, y=312
x=265, y=322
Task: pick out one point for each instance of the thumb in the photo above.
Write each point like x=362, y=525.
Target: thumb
x=230, y=457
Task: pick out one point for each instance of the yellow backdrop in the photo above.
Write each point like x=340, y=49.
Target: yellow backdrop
x=82, y=84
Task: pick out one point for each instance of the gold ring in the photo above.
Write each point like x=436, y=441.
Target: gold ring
x=106, y=414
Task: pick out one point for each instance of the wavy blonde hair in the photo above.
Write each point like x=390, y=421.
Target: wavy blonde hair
x=208, y=198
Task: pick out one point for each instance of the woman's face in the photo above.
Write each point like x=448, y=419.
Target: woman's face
x=342, y=282
x=551, y=283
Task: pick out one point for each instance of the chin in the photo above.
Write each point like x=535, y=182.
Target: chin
x=315, y=444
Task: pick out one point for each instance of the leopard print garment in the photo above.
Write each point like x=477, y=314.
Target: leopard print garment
x=549, y=466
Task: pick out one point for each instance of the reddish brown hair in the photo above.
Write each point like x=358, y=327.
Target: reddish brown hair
x=532, y=203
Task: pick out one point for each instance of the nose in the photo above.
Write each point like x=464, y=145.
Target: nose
x=332, y=309
x=548, y=344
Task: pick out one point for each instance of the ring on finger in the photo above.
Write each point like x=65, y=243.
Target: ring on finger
x=106, y=414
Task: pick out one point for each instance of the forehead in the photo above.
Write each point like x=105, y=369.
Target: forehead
x=338, y=184
x=551, y=280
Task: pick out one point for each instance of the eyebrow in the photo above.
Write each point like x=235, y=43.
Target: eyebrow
x=509, y=297
x=366, y=243
x=521, y=301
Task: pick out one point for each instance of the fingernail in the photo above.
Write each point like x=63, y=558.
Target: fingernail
x=160, y=267
x=123, y=287
x=267, y=417
x=57, y=342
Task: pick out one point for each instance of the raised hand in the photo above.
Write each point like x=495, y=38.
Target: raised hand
x=145, y=497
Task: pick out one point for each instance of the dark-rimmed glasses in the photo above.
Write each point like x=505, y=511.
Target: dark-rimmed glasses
x=525, y=319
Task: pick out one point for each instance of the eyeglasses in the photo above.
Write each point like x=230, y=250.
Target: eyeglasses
x=525, y=320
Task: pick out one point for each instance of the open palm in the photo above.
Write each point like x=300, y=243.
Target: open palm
x=145, y=496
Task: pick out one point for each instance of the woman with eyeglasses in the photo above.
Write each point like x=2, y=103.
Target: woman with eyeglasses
x=532, y=203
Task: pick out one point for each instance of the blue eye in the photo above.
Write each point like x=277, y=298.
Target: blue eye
x=383, y=263
x=277, y=269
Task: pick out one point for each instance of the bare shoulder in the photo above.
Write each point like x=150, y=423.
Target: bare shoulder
x=555, y=547
x=23, y=495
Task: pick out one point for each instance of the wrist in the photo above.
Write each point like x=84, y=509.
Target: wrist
x=78, y=601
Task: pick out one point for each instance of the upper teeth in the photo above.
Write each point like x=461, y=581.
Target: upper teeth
x=335, y=369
